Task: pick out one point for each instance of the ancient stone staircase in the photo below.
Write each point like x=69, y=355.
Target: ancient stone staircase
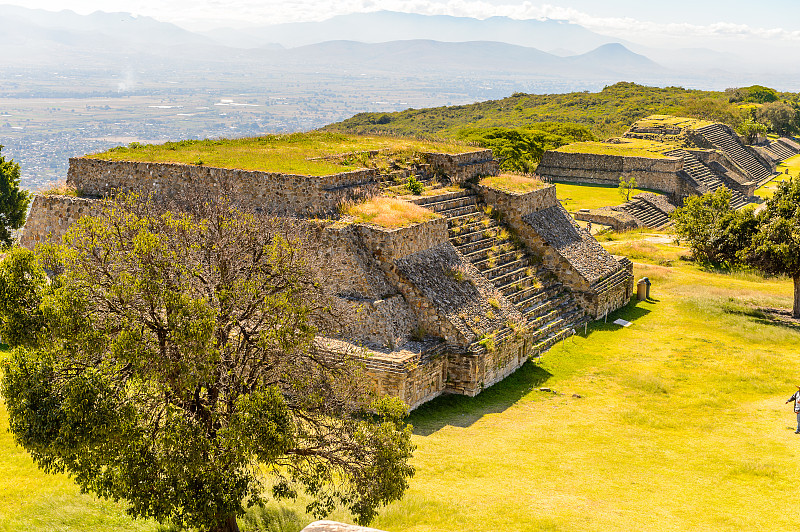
x=705, y=177
x=723, y=141
x=550, y=311
x=781, y=150
x=645, y=213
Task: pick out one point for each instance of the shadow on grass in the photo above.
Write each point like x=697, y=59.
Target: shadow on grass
x=463, y=411
x=764, y=315
x=631, y=312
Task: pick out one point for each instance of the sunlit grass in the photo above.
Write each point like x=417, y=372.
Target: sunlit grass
x=390, y=213
x=290, y=153
x=626, y=148
x=788, y=168
x=675, y=423
x=516, y=184
x=578, y=196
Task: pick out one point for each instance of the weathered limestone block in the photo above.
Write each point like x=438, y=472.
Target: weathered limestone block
x=463, y=166
x=515, y=206
x=393, y=244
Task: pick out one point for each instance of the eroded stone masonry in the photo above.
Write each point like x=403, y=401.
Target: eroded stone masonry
x=452, y=305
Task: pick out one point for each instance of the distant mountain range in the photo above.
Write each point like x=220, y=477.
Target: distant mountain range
x=384, y=26
x=363, y=43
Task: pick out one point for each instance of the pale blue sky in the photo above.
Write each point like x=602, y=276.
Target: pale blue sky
x=695, y=19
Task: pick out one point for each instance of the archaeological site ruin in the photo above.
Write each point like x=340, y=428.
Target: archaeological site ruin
x=676, y=156
x=493, y=274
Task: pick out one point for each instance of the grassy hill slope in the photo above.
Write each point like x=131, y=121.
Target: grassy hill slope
x=606, y=113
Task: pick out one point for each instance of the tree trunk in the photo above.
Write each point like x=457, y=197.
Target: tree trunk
x=796, y=307
x=226, y=524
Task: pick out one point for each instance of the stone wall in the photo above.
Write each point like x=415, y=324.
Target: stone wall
x=617, y=220
x=516, y=205
x=656, y=174
x=51, y=216
x=393, y=244
x=269, y=192
x=463, y=166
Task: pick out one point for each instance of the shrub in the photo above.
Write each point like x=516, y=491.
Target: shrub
x=414, y=185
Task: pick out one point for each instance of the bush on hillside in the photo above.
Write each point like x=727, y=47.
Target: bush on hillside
x=752, y=94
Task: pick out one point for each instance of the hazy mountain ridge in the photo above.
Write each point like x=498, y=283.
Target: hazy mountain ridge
x=383, y=26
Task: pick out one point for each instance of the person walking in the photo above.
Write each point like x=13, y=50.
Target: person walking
x=796, y=399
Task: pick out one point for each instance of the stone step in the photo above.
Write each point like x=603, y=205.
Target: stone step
x=456, y=212
x=450, y=204
x=505, y=269
x=424, y=201
x=462, y=228
x=482, y=253
x=469, y=249
x=517, y=285
x=502, y=258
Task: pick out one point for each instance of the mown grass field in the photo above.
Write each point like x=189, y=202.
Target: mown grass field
x=574, y=197
x=675, y=423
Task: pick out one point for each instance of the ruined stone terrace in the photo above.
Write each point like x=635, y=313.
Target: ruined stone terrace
x=449, y=300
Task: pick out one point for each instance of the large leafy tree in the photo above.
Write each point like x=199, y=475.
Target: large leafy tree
x=715, y=232
x=180, y=370
x=775, y=248
x=13, y=200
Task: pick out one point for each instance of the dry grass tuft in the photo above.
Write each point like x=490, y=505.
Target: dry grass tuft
x=390, y=213
x=517, y=184
x=59, y=188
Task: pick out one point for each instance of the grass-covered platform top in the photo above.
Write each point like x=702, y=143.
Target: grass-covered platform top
x=669, y=121
x=513, y=183
x=390, y=213
x=315, y=153
x=623, y=147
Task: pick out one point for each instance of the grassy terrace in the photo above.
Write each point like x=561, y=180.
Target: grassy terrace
x=625, y=148
x=516, y=184
x=672, y=121
x=293, y=153
x=575, y=197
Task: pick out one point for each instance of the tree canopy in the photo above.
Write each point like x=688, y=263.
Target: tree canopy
x=521, y=149
x=22, y=284
x=180, y=370
x=769, y=241
x=13, y=200
x=775, y=247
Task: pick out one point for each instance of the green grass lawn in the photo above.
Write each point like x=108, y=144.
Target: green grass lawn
x=792, y=165
x=626, y=147
x=574, y=197
x=290, y=153
x=675, y=423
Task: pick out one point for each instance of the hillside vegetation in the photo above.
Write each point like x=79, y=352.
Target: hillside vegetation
x=606, y=113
